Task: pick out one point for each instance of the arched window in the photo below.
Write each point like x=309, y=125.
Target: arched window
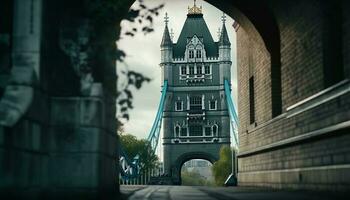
x=177, y=131
x=198, y=53
x=178, y=105
x=183, y=70
x=207, y=69
x=199, y=69
x=191, y=69
x=215, y=130
x=191, y=54
x=212, y=105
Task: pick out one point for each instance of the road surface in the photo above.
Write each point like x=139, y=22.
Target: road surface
x=220, y=193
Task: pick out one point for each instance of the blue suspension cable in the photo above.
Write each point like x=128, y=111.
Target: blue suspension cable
x=131, y=168
x=232, y=111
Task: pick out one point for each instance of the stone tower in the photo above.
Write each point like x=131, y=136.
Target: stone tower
x=195, y=121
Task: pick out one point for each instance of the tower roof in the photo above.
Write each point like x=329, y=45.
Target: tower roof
x=195, y=25
x=224, y=40
x=166, y=40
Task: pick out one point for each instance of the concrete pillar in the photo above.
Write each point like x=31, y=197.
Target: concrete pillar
x=82, y=146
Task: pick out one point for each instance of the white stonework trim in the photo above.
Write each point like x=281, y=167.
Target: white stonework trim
x=299, y=138
x=324, y=167
x=219, y=141
x=203, y=105
x=196, y=88
x=188, y=102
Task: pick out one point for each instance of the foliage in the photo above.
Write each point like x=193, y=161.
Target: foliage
x=105, y=18
x=222, y=168
x=143, y=15
x=194, y=178
x=141, y=147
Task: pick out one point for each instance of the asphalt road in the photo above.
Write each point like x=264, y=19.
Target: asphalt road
x=221, y=193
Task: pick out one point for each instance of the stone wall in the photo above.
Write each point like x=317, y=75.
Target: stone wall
x=307, y=145
x=57, y=117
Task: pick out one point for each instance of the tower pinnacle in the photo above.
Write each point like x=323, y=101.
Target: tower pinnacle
x=223, y=18
x=194, y=10
x=166, y=19
x=224, y=40
x=166, y=40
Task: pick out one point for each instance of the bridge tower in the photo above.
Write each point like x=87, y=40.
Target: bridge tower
x=196, y=121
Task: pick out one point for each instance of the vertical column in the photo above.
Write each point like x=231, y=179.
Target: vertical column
x=25, y=59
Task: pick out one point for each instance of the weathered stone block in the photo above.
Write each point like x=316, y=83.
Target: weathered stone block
x=65, y=111
x=92, y=112
x=75, y=139
x=75, y=170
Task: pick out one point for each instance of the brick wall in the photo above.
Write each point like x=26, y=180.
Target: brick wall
x=309, y=140
x=253, y=60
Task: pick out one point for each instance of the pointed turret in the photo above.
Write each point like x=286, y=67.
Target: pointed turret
x=224, y=52
x=166, y=46
x=224, y=40
x=166, y=40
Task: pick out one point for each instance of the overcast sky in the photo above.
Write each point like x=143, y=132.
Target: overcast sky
x=143, y=55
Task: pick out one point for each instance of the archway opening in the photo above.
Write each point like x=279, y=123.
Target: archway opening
x=256, y=51
x=197, y=172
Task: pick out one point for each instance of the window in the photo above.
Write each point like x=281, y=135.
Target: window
x=212, y=105
x=198, y=54
x=207, y=69
x=184, y=131
x=191, y=54
x=178, y=106
x=215, y=129
x=196, y=131
x=207, y=131
x=196, y=103
x=251, y=100
x=199, y=69
x=177, y=131
x=183, y=70
x=191, y=70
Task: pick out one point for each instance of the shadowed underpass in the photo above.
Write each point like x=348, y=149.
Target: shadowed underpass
x=58, y=105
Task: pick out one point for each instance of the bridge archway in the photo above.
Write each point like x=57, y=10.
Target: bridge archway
x=182, y=159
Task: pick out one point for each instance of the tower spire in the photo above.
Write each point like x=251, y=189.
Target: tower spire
x=166, y=19
x=223, y=18
x=166, y=40
x=224, y=40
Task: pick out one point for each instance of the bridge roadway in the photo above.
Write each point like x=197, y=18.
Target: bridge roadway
x=156, y=192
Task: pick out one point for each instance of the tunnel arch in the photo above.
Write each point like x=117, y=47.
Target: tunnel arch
x=261, y=28
x=264, y=21
x=182, y=159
